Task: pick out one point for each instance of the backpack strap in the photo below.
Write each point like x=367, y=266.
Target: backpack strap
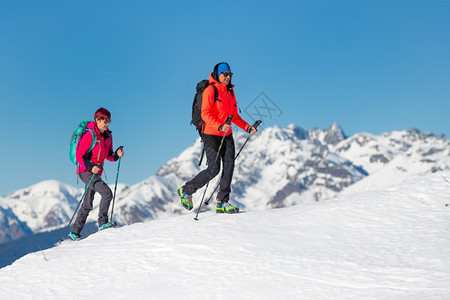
x=94, y=140
x=216, y=92
x=88, y=153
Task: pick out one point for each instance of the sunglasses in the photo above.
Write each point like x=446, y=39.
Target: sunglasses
x=226, y=74
x=107, y=121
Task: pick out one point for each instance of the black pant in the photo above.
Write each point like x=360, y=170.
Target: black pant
x=97, y=185
x=227, y=152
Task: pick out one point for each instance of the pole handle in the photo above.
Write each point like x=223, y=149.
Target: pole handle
x=256, y=124
x=228, y=120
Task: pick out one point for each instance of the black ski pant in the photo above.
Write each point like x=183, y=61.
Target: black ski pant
x=99, y=186
x=211, y=144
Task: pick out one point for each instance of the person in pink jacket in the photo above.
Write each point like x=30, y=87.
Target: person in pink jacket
x=91, y=164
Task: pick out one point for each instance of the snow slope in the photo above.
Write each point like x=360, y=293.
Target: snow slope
x=394, y=157
x=279, y=167
x=391, y=243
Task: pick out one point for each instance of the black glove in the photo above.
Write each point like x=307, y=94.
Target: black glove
x=115, y=155
x=89, y=165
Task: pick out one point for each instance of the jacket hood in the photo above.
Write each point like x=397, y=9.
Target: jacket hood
x=92, y=125
x=212, y=80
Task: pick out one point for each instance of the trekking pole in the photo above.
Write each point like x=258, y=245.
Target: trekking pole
x=255, y=125
x=228, y=121
x=37, y=244
x=82, y=197
x=115, y=186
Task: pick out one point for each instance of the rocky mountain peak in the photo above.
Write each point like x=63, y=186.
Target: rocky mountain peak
x=334, y=134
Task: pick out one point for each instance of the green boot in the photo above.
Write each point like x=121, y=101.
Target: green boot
x=219, y=209
x=227, y=208
x=186, y=200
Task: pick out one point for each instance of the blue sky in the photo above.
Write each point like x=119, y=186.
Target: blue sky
x=372, y=66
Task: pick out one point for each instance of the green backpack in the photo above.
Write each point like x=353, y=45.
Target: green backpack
x=76, y=137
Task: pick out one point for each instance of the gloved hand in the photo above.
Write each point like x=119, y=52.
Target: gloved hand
x=251, y=130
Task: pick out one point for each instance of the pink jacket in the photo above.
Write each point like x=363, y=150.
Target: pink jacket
x=102, y=150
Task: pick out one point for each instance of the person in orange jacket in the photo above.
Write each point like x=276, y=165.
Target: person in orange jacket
x=215, y=112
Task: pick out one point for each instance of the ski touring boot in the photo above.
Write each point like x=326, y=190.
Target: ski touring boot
x=75, y=236
x=226, y=208
x=186, y=200
x=107, y=225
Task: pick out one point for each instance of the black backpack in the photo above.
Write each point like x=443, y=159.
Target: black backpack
x=197, y=105
x=197, y=120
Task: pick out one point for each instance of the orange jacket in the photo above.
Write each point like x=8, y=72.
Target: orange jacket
x=215, y=113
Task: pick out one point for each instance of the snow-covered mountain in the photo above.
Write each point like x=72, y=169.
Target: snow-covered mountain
x=279, y=167
x=36, y=208
x=391, y=243
x=393, y=157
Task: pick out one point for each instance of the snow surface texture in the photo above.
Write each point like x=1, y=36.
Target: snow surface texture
x=390, y=243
